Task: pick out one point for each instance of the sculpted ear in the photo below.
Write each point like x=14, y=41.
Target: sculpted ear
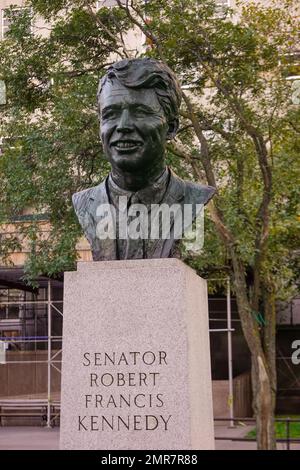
x=173, y=128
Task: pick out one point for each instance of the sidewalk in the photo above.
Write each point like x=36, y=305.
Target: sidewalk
x=29, y=438
x=239, y=431
x=38, y=438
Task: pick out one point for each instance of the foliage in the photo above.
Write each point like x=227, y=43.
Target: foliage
x=281, y=428
x=51, y=127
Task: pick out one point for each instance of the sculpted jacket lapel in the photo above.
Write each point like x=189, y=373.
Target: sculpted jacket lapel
x=103, y=249
x=174, y=195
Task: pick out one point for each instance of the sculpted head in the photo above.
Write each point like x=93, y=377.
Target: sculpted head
x=138, y=103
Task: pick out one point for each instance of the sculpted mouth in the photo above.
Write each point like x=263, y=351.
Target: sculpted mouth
x=127, y=144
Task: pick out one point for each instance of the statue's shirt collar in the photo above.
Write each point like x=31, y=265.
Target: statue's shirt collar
x=152, y=194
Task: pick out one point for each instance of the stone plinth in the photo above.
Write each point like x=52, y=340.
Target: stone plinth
x=136, y=359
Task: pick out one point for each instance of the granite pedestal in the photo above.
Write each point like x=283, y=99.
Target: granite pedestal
x=136, y=359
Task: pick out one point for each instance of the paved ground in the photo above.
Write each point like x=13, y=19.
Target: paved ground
x=38, y=438
x=28, y=438
x=223, y=430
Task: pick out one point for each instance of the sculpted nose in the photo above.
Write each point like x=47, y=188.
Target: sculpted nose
x=125, y=123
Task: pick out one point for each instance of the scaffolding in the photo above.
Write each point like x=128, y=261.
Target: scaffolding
x=229, y=330
x=53, y=362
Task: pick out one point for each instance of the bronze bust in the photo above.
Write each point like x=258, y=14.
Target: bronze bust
x=139, y=102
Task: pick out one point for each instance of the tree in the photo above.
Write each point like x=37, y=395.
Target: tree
x=238, y=133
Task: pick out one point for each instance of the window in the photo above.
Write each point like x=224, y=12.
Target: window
x=223, y=3
x=290, y=64
x=2, y=92
x=221, y=7
x=290, y=67
x=6, y=21
x=106, y=3
x=7, y=142
x=288, y=313
x=296, y=93
x=4, y=24
x=9, y=310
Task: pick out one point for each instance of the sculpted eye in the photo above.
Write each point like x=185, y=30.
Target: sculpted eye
x=109, y=114
x=141, y=112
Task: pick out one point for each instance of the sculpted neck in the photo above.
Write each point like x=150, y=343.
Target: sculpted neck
x=138, y=180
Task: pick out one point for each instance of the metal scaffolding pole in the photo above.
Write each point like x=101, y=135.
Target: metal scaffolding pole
x=229, y=337
x=49, y=359
x=229, y=331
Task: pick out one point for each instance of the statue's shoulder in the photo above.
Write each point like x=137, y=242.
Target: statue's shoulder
x=198, y=193
x=194, y=193
x=83, y=199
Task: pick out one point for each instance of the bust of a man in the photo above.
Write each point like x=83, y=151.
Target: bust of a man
x=137, y=211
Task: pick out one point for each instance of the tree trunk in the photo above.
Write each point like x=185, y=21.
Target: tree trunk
x=264, y=392
x=263, y=404
x=262, y=381
x=269, y=341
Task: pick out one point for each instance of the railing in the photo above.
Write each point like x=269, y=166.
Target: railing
x=287, y=440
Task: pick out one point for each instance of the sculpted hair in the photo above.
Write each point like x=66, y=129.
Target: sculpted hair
x=147, y=73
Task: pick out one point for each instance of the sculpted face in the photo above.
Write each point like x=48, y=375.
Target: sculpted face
x=134, y=127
